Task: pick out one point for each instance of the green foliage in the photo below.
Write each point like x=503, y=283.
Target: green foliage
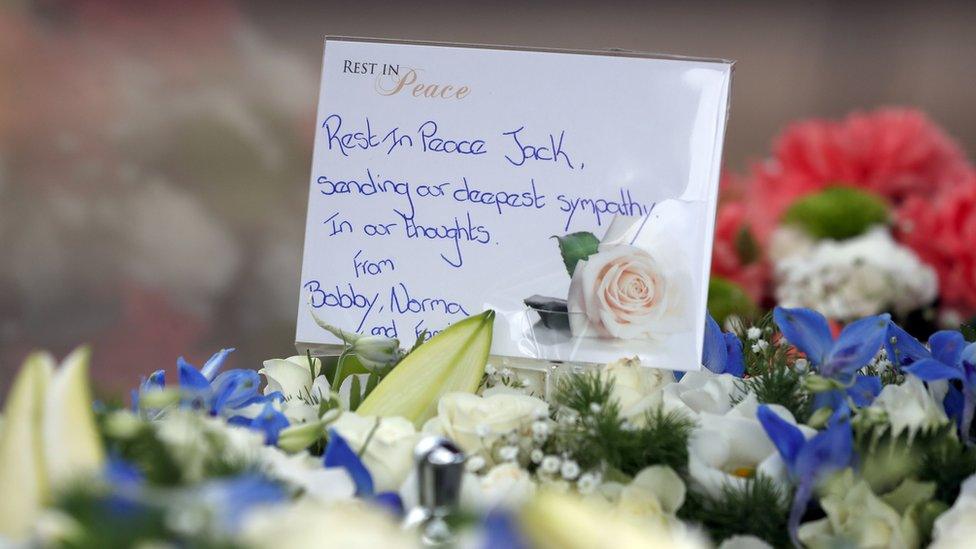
x=107, y=521
x=761, y=510
x=838, y=213
x=726, y=298
x=139, y=445
x=947, y=462
x=576, y=246
x=746, y=247
x=783, y=386
x=771, y=371
x=663, y=440
x=599, y=438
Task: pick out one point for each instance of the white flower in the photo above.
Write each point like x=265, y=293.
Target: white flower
x=389, y=454
x=623, y=292
x=307, y=473
x=308, y=524
x=727, y=450
x=909, y=408
x=857, y=277
x=587, y=483
x=701, y=391
x=474, y=463
x=540, y=431
x=636, y=388
x=508, y=453
x=475, y=423
x=753, y=333
x=506, y=485
x=653, y=497
x=537, y=455
x=760, y=346
x=550, y=464
x=956, y=527
x=744, y=542
x=857, y=517
x=569, y=469
x=292, y=377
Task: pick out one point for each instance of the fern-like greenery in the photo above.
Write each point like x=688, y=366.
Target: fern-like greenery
x=761, y=510
x=947, y=462
x=783, y=386
x=599, y=438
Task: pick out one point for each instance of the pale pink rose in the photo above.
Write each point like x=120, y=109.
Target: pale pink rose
x=620, y=292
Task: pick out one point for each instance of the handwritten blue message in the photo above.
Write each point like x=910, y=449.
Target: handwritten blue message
x=381, y=209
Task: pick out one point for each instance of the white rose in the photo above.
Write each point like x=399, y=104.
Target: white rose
x=505, y=485
x=389, y=454
x=636, y=388
x=309, y=524
x=621, y=292
x=475, y=422
x=727, y=450
x=956, y=527
x=701, y=391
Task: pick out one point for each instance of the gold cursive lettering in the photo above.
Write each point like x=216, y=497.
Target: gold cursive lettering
x=392, y=85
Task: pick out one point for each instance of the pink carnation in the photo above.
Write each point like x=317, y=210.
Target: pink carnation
x=942, y=231
x=726, y=260
x=895, y=153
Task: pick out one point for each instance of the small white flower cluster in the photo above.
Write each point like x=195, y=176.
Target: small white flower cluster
x=505, y=378
x=855, y=278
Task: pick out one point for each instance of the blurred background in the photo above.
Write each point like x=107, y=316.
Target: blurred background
x=154, y=155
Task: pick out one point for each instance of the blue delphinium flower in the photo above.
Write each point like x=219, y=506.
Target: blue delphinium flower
x=722, y=352
x=155, y=381
x=269, y=421
x=948, y=357
x=338, y=453
x=840, y=359
x=220, y=393
x=501, y=531
x=232, y=498
x=808, y=461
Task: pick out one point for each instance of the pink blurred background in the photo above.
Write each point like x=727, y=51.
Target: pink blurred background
x=154, y=156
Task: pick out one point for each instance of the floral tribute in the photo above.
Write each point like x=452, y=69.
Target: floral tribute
x=874, y=212
x=791, y=434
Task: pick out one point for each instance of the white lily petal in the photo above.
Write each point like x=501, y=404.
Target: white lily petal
x=291, y=376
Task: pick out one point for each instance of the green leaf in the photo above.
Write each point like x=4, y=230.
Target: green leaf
x=726, y=298
x=837, y=212
x=355, y=393
x=576, y=246
x=348, y=365
x=453, y=360
x=746, y=246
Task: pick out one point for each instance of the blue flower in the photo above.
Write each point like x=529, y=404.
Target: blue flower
x=217, y=393
x=502, y=531
x=808, y=461
x=232, y=498
x=269, y=421
x=155, y=381
x=948, y=357
x=839, y=359
x=338, y=453
x=722, y=352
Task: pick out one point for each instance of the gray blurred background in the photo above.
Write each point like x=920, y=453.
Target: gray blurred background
x=154, y=156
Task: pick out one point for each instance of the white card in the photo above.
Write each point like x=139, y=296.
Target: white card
x=441, y=174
